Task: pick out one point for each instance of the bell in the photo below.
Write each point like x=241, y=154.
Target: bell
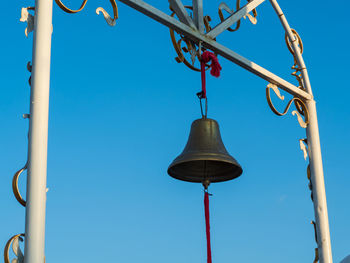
x=205, y=158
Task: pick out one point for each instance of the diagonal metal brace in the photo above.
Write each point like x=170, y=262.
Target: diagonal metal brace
x=181, y=13
x=235, y=17
x=219, y=49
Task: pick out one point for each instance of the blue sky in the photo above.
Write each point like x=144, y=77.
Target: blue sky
x=121, y=110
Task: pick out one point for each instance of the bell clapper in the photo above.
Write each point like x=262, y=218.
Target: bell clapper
x=206, y=184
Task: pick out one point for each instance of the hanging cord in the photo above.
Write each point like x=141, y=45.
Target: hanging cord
x=215, y=71
x=207, y=223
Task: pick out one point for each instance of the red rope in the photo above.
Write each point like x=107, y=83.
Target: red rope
x=207, y=225
x=204, y=90
x=215, y=69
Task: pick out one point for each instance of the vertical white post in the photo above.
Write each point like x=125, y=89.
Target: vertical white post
x=38, y=132
x=314, y=147
x=318, y=186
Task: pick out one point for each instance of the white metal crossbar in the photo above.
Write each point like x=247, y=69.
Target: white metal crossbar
x=209, y=43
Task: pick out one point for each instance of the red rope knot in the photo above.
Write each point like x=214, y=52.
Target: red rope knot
x=215, y=65
x=215, y=69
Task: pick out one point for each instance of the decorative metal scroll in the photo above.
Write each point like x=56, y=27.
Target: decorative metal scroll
x=29, y=18
x=110, y=21
x=304, y=148
x=308, y=171
x=224, y=6
x=296, y=73
x=14, y=240
x=184, y=46
x=14, y=243
x=300, y=106
x=15, y=186
x=316, y=259
x=29, y=68
x=301, y=110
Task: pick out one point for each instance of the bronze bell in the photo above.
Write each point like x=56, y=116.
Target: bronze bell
x=205, y=158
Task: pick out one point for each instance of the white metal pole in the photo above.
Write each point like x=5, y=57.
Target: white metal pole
x=314, y=148
x=38, y=132
x=318, y=186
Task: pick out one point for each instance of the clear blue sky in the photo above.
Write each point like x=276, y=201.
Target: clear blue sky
x=121, y=110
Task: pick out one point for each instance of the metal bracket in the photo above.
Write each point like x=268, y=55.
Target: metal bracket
x=29, y=18
x=110, y=21
x=299, y=104
x=303, y=147
x=302, y=123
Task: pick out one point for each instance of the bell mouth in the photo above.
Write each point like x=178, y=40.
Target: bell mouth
x=199, y=171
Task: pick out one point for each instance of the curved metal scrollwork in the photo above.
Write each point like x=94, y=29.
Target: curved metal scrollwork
x=109, y=20
x=15, y=186
x=299, y=42
x=14, y=242
x=300, y=106
x=29, y=18
x=224, y=6
x=68, y=10
x=297, y=71
x=184, y=45
x=303, y=147
x=29, y=68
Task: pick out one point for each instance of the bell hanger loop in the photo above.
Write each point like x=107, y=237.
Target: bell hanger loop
x=205, y=112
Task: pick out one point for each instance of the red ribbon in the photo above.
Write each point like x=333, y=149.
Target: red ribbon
x=215, y=68
x=207, y=225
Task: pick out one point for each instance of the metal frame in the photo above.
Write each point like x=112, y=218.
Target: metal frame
x=192, y=29
x=211, y=44
x=243, y=11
